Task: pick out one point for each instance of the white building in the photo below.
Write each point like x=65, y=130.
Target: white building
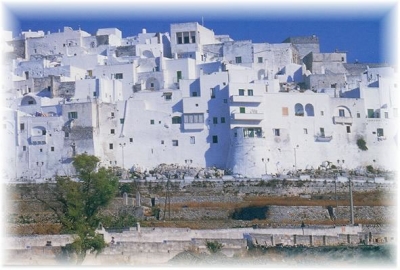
x=192, y=98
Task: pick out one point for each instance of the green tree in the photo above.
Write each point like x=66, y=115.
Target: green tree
x=77, y=203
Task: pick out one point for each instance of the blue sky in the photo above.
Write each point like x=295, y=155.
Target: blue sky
x=361, y=28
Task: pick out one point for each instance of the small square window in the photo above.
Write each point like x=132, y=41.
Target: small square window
x=322, y=113
x=22, y=126
x=241, y=92
x=260, y=60
x=130, y=139
x=238, y=60
x=122, y=120
x=225, y=100
x=24, y=148
x=94, y=94
x=242, y=110
x=277, y=132
x=162, y=141
x=72, y=115
x=52, y=149
x=41, y=150
x=250, y=92
x=358, y=115
x=119, y=76
x=66, y=134
x=112, y=114
x=222, y=120
x=215, y=120
x=386, y=115
x=215, y=139
x=341, y=112
x=112, y=131
x=192, y=140
x=111, y=146
x=174, y=142
x=151, y=122
x=305, y=131
x=348, y=130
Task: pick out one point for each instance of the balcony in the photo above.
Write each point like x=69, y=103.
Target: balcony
x=38, y=140
x=322, y=138
x=248, y=116
x=193, y=126
x=343, y=120
x=247, y=99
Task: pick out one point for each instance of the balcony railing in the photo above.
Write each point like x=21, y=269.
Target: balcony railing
x=322, y=138
x=193, y=126
x=248, y=116
x=342, y=120
x=249, y=99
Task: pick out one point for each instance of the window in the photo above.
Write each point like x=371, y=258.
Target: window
x=193, y=118
x=285, y=111
x=66, y=134
x=215, y=139
x=309, y=109
x=178, y=75
x=252, y=132
x=94, y=94
x=212, y=92
x=152, y=122
x=73, y=115
x=370, y=113
x=186, y=37
x=260, y=60
x=242, y=110
x=119, y=76
x=167, y=96
x=174, y=142
x=386, y=115
x=130, y=139
x=111, y=146
x=176, y=120
x=194, y=94
x=250, y=92
x=24, y=148
x=379, y=132
x=122, y=120
x=179, y=39
x=112, y=131
x=241, y=92
x=277, y=132
x=305, y=131
x=225, y=100
x=222, y=120
x=112, y=114
x=43, y=132
x=22, y=126
x=192, y=140
x=52, y=149
x=215, y=120
x=238, y=60
x=341, y=112
x=358, y=115
x=348, y=130
x=322, y=113
x=193, y=37
x=162, y=141
x=298, y=109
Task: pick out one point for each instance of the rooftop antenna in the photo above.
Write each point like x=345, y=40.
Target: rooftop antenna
x=202, y=21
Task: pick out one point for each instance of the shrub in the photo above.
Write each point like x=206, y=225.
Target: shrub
x=214, y=246
x=362, y=144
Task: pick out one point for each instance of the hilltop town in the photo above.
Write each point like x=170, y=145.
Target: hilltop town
x=192, y=98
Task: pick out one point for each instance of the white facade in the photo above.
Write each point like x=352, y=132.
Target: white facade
x=191, y=98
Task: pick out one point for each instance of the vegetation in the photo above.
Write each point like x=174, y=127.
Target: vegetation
x=77, y=204
x=214, y=246
x=362, y=144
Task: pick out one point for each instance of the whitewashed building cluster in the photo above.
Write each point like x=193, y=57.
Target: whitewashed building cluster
x=191, y=97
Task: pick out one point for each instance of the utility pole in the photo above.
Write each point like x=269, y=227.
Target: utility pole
x=351, y=203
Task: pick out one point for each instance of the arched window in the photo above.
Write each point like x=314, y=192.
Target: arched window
x=176, y=120
x=309, y=109
x=298, y=109
x=28, y=100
